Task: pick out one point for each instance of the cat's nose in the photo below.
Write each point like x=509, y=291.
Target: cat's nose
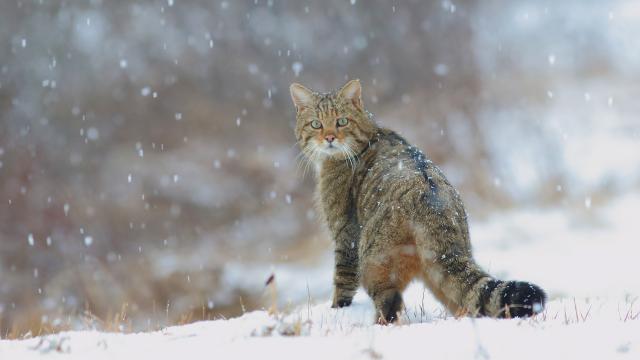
x=330, y=138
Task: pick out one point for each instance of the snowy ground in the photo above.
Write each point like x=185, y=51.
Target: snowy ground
x=584, y=256
x=347, y=334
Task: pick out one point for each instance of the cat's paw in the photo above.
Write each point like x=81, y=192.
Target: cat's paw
x=339, y=303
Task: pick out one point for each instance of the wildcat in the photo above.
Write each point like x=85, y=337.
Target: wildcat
x=393, y=215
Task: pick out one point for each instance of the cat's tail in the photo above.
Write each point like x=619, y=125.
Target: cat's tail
x=472, y=292
x=465, y=289
x=506, y=299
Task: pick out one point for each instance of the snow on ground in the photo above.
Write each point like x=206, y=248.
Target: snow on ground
x=585, y=258
x=596, y=330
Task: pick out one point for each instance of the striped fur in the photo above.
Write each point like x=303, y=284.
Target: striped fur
x=393, y=215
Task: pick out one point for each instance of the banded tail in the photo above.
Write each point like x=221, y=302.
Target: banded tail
x=465, y=289
x=508, y=299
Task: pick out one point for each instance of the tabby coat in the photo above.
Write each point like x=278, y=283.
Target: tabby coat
x=393, y=215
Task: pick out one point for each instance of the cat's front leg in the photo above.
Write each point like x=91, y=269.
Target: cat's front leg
x=345, y=276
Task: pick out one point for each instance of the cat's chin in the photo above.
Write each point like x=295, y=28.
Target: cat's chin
x=332, y=152
x=335, y=156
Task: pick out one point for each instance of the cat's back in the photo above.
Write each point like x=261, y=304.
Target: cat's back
x=393, y=174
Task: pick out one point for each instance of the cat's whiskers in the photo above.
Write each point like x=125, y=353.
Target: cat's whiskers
x=307, y=162
x=300, y=160
x=347, y=156
x=312, y=156
x=350, y=155
x=304, y=160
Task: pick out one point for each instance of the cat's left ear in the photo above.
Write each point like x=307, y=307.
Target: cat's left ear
x=352, y=91
x=301, y=96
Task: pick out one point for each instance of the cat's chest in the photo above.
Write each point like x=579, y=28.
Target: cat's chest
x=338, y=184
x=334, y=192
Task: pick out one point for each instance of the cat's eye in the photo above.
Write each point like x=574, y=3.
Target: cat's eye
x=343, y=121
x=316, y=124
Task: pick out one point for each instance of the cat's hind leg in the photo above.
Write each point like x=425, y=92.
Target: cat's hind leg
x=388, y=263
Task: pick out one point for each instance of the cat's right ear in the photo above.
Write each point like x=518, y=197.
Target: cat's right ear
x=301, y=96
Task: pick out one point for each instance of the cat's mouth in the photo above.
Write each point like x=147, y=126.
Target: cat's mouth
x=329, y=149
x=333, y=147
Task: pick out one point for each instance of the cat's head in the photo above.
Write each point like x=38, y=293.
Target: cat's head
x=331, y=125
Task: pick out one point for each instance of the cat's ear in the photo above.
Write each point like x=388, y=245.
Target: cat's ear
x=352, y=91
x=301, y=96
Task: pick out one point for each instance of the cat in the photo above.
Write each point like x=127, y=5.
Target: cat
x=393, y=215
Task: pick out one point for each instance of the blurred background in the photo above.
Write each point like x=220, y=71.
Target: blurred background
x=147, y=157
